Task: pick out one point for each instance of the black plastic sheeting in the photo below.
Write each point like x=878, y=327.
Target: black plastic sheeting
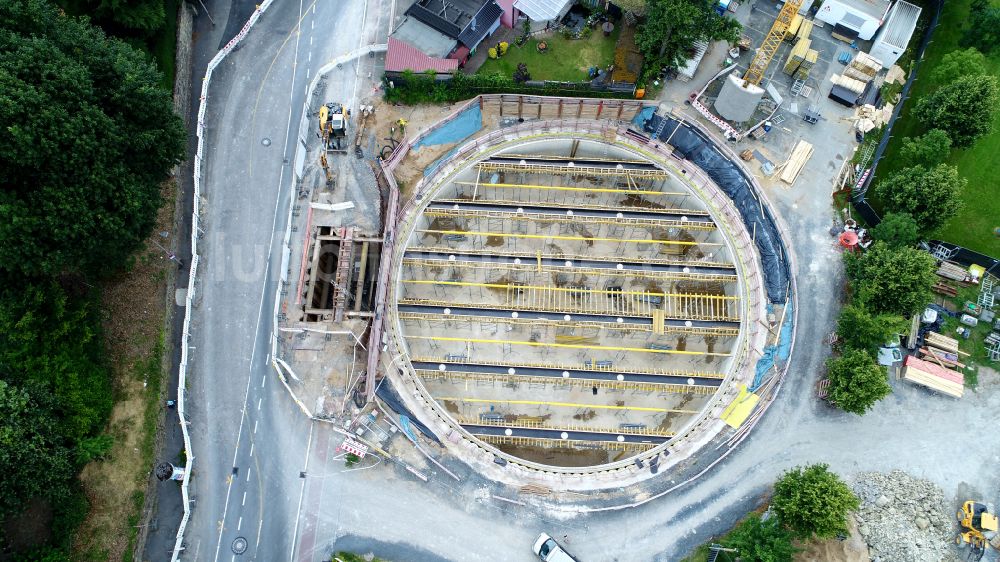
x=967, y=257
x=729, y=176
x=391, y=399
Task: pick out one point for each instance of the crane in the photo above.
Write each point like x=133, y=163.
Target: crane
x=771, y=43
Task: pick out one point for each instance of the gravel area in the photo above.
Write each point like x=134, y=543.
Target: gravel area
x=904, y=518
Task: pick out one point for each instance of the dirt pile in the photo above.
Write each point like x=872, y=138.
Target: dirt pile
x=903, y=518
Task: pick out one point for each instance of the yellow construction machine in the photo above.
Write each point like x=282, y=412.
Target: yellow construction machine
x=333, y=120
x=978, y=524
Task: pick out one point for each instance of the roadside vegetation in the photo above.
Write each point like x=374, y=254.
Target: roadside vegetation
x=956, y=93
x=808, y=503
x=91, y=137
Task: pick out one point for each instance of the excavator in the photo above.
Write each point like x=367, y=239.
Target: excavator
x=333, y=120
x=978, y=524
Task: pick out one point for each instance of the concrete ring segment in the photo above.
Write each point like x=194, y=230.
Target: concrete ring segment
x=572, y=307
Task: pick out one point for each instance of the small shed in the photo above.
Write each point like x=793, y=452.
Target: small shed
x=862, y=17
x=933, y=376
x=895, y=34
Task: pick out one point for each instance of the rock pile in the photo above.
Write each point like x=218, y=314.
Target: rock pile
x=904, y=519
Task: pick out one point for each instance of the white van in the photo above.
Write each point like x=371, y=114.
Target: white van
x=549, y=550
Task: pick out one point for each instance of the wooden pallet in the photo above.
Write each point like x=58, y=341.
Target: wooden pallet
x=945, y=289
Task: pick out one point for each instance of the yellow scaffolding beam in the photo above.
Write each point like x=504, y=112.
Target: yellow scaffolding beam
x=582, y=205
x=595, y=368
x=567, y=188
x=564, y=289
x=563, y=404
x=510, y=155
x=446, y=251
x=570, y=170
x=527, y=422
x=564, y=237
x=535, y=268
x=560, y=323
x=540, y=442
x=564, y=218
x=672, y=388
x=565, y=345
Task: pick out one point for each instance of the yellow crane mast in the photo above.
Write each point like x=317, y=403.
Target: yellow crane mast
x=771, y=43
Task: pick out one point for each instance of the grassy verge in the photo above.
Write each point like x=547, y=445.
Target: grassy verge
x=973, y=226
x=133, y=318
x=565, y=60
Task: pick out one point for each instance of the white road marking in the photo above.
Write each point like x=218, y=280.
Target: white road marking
x=255, y=426
x=259, y=400
x=310, y=40
x=248, y=474
x=302, y=492
x=239, y=524
x=312, y=24
x=307, y=73
x=244, y=499
x=267, y=359
x=310, y=59
x=251, y=448
x=259, y=527
x=263, y=288
x=263, y=380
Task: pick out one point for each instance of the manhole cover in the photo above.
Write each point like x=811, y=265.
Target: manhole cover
x=265, y=141
x=239, y=545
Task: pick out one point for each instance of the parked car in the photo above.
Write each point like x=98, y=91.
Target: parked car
x=548, y=550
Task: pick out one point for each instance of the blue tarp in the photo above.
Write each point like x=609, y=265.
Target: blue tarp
x=464, y=125
x=773, y=353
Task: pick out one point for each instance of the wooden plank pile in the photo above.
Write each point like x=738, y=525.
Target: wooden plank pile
x=804, y=30
x=852, y=84
x=802, y=72
x=793, y=28
x=933, y=376
x=953, y=271
x=944, y=289
x=796, y=56
x=796, y=161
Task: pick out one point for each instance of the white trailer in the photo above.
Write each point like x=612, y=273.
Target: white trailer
x=892, y=39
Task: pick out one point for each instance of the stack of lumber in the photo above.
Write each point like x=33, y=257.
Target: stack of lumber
x=952, y=271
x=933, y=376
x=804, y=30
x=945, y=289
x=944, y=343
x=796, y=161
x=802, y=72
x=793, y=27
x=856, y=74
x=943, y=358
x=867, y=64
x=796, y=56
x=856, y=86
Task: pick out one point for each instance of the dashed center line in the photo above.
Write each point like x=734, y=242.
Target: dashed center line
x=248, y=473
x=251, y=448
x=244, y=498
x=239, y=524
x=255, y=426
x=259, y=400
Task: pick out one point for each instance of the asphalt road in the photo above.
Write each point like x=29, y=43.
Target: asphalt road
x=266, y=475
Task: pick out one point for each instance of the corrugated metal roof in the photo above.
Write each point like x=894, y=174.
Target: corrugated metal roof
x=401, y=56
x=480, y=25
x=541, y=10
x=432, y=42
x=874, y=8
x=900, y=24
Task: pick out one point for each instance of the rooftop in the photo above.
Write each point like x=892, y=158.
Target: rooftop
x=430, y=41
x=900, y=24
x=400, y=56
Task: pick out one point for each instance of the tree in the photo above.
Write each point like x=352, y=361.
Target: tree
x=891, y=280
x=813, y=501
x=857, y=382
x=521, y=75
x=139, y=15
x=959, y=63
x=673, y=26
x=929, y=149
x=984, y=26
x=963, y=108
x=89, y=137
x=858, y=328
x=52, y=340
x=34, y=460
x=930, y=195
x=897, y=230
x=757, y=540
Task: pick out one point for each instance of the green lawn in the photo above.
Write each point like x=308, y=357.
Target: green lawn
x=973, y=226
x=566, y=60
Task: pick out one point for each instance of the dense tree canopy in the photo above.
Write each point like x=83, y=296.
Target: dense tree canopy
x=673, y=26
x=89, y=138
x=897, y=230
x=958, y=63
x=758, y=540
x=929, y=149
x=51, y=340
x=813, y=501
x=859, y=329
x=142, y=15
x=931, y=196
x=891, y=280
x=34, y=460
x=984, y=26
x=857, y=382
x=964, y=108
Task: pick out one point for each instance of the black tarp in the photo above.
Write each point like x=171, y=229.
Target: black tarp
x=729, y=176
x=391, y=399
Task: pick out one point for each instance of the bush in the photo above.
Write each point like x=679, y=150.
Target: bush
x=959, y=63
x=930, y=195
x=521, y=75
x=897, y=230
x=888, y=280
x=857, y=328
x=929, y=149
x=812, y=501
x=857, y=382
x=492, y=52
x=503, y=48
x=758, y=540
x=964, y=109
x=984, y=28
x=411, y=88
